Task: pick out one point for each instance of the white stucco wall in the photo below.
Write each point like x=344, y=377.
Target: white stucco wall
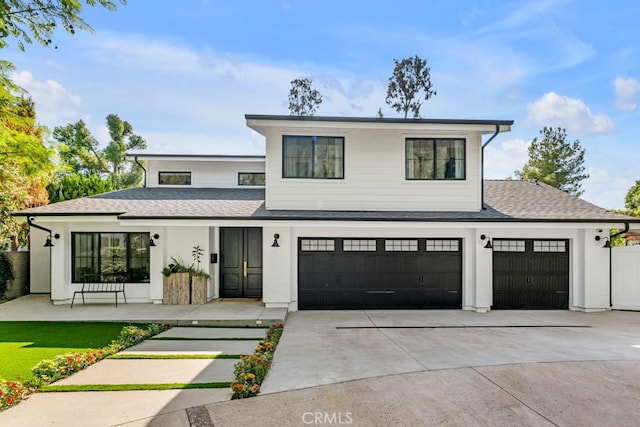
x=39, y=277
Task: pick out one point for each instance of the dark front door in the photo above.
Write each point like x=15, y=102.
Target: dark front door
x=338, y=273
x=530, y=274
x=241, y=262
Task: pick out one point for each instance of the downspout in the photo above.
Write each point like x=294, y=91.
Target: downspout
x=626, y=229
x=482, y=165
x=144, y=183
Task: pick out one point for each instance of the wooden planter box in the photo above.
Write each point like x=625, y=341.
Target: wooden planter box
x=175, y=288
x=198, y=290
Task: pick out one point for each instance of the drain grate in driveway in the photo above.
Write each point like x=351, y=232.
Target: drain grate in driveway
x=463, y=327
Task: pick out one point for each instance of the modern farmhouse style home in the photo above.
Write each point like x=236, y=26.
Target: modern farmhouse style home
x=341, y=213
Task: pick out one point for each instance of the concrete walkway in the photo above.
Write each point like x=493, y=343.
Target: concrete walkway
x=214, y=313
x=117, y=407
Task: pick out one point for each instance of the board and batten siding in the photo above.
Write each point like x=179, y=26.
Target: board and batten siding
x=374, y=175
x=204, y=174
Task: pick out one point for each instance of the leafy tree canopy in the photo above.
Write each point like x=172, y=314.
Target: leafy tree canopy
x=74, y=186
x=556, y=161
x=27, y=163
x=80, y=154
x=632, y=200
x=304, y=100
x=408, y=85
x=37, y=20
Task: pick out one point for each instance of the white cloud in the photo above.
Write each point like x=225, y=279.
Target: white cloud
x=607, y=190
x=501, y=161
x=570, y=113
x=54, y=103
x=627, y=93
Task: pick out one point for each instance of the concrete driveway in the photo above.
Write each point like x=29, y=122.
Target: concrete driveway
x=325, y=347
x=408, y=368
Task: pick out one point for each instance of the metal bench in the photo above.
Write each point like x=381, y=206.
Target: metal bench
x=117, y=286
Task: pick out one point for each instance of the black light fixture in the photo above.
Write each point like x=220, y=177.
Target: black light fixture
x=151, y=241
x=607, y=243
x=275, y=241
x=485, y=237
x=49, y=243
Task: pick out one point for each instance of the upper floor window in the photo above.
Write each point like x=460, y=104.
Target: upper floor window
x=251, y=178
x=174, y=178
x=435, y=158
x=313, y=157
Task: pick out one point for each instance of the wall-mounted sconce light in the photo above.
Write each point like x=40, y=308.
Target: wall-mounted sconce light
x=275, y=241
x=488, y=239
x=607, y=243
x=151, y=241
x=49, y=243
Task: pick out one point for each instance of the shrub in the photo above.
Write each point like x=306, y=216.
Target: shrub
x=251, y=370
x=11, y=392
x=6, y=273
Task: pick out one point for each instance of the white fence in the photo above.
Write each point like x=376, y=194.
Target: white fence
x=625, y=277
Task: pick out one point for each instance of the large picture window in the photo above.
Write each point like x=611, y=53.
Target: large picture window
x=107, y=257
x=429, y=158
x=313, y=157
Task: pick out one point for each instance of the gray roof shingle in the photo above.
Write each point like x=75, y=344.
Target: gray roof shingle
x=505, y=200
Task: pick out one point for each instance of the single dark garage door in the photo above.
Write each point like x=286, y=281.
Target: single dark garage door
x=345, y=273
x=530, y=274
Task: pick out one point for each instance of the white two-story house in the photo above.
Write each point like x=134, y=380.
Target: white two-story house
x=340, y=213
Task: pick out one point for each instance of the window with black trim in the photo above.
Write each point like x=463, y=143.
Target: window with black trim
x=251, y=178
x=435, y=159
x=174, y=178
x=108, y=257
x=313, y=157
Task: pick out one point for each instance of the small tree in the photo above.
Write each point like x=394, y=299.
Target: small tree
x=632, y=200
x=555, y=161
x=410, y=81
x=303, y=98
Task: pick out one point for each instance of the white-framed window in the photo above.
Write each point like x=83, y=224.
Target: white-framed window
x=401, y=245
x=317, y=245
x=508, y=245
x=355, y=245
x=443, y=245
x=549, y=246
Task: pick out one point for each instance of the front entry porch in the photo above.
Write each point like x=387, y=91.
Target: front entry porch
x=214, y=313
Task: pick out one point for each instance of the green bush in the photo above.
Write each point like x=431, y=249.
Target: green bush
x=251, y=370
x=6, y=273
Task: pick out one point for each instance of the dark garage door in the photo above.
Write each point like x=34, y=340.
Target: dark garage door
x=530, y=274
x=379, y=273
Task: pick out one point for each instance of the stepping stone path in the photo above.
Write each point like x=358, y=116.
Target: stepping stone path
x=207, y=355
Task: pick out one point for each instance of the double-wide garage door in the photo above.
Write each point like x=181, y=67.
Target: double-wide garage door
x=339, y=273
x=530, y=274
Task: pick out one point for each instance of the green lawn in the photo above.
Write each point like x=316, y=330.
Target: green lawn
x=24, y=344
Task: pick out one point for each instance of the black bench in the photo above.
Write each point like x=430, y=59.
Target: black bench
x=115, y=286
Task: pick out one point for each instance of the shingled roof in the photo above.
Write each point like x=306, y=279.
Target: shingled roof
x=505, y=200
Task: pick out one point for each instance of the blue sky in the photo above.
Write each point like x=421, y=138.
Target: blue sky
x=185, y=73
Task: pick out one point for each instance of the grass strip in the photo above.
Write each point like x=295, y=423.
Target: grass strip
x=175, y=356
x=132, y=387
x=203, y=339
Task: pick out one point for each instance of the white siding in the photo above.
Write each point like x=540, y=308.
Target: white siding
x=212, y=174
x=374, y=176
